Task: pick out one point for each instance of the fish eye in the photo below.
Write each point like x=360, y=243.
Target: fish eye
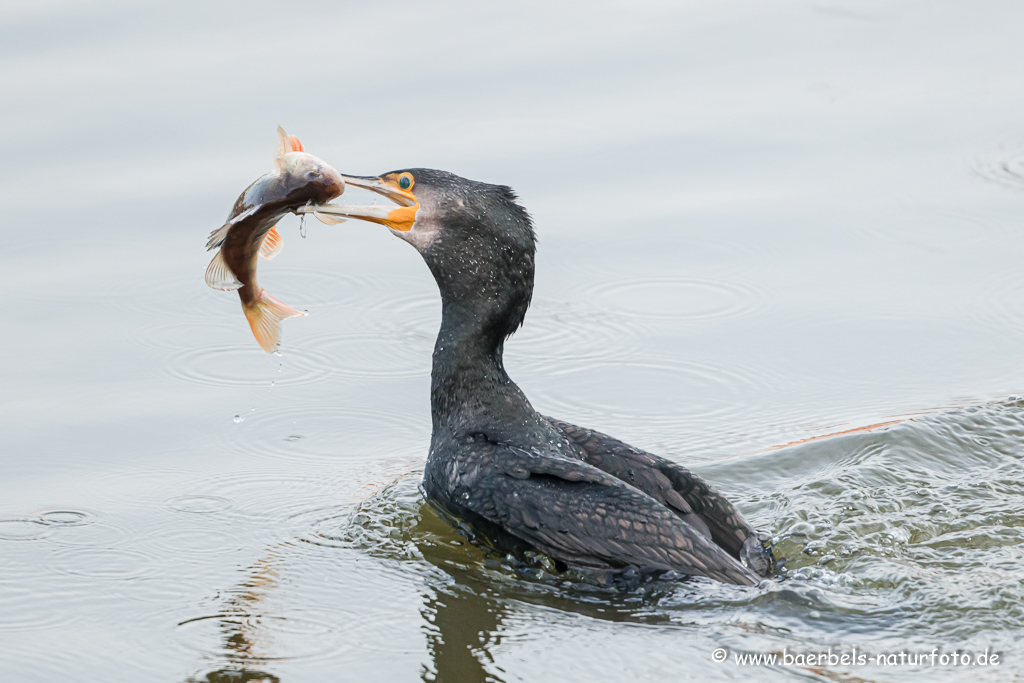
x=405, y=182
x=312, y=175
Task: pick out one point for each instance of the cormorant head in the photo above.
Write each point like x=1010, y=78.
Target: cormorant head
x=475, y=237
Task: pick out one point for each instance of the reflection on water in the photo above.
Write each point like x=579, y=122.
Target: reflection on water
x=239, y=632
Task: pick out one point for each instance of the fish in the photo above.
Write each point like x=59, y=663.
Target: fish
x=298, y=179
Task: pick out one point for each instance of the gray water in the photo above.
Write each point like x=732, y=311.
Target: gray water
x=759, y=223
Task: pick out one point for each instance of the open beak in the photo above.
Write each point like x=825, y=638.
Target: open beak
x=400, y=218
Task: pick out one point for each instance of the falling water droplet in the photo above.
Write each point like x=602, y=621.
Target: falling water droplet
x=239, y=418
x=302, y=226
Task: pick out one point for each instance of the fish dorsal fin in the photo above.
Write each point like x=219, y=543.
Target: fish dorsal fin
x=283, y=143
x=219, y=276
x=328, y=219
x=287, y=143
x=265, y=317
x=271, y=244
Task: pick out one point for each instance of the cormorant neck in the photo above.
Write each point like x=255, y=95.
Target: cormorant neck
x=485, y=291
x=479, y=245
x=470, y=389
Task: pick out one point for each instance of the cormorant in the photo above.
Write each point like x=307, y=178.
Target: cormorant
x=519, y=478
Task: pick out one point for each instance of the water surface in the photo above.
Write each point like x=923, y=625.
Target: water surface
x=758, y=225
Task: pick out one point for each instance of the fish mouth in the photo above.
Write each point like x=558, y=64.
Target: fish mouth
x=400, y=219
x=334, y=184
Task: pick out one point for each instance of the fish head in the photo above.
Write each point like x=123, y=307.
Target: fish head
x=309, y=178
x=304, y=176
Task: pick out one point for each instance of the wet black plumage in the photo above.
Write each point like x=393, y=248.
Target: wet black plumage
x=523, y=479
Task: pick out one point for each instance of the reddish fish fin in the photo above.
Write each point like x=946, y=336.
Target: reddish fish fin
x=265, y=316
x=219, y=276
x=287, y=143
x=271, y=244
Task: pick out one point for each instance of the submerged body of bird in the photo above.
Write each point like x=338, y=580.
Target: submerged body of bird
x=298, y=178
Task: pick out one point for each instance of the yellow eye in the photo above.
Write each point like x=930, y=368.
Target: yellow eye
x=405, y=182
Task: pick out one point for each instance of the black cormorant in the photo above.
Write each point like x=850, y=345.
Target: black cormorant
x=519, y=478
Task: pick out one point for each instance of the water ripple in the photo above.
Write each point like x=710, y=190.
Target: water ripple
x=103, y=563
x=23, y=607
x=199, y=505
x=263, y=637
x=385, y=353
x=21, y=529
x=187, y=297
x=178, y=541
x=66, y=518
x=677, y=298
x=1001, y=305
x=43, y=524
x=588, y=332
x=247, y=366
x=1003, y=167
x=321, y=432
x=101, y=535
x=660, y=391
x=161, y=590
x=928, y=227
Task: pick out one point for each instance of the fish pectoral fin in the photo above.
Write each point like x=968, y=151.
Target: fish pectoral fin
x=218, y=236
x=265, y=317
x=328, y=219
x=219, y=276
x=272, y=244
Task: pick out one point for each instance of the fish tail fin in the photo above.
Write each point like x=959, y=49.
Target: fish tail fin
x=265, y=316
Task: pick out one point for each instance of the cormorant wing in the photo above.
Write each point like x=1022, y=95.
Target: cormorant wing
x=676, y=487
x=576, y=513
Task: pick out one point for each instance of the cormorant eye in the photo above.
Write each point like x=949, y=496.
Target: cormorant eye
x=405, y=182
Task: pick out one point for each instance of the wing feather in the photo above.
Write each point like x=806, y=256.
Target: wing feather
x=675, y=486
x=579, y=514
